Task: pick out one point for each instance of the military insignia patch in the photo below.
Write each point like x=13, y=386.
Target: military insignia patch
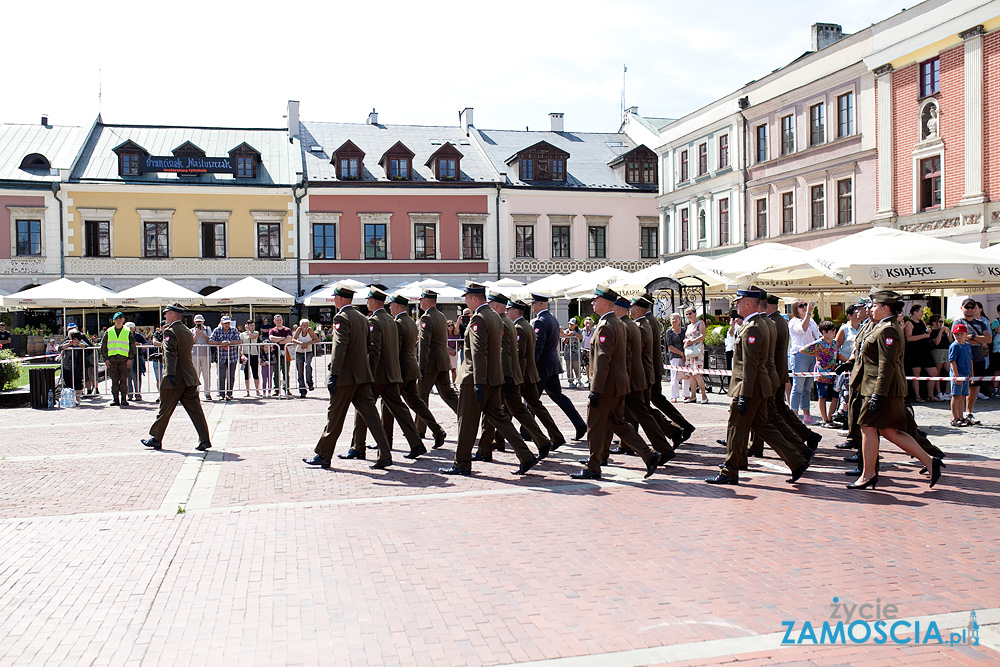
x=751, y=339
x=536, y=329
x=475, y=327
x=371, y=327
x=423, y=325
x=890, y=340
x=600, y=338
x=519, y=338
x=336, y=325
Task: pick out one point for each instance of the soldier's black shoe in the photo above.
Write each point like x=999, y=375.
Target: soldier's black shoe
x=526, y=466
x=723, y=465
x=524, y=433
x=756, y=453
x=604, y=462
x=857, y=472
x=439, y=440
x=585, y=474
x=721, y=442
x=374, y=446
x=848, y=444
x=482, y=457
x=352, y=454
x=152, y=443
x=722, y=479
x=853, y=458
x=677, y=438
x=318, y=461
x=556, y=444
x=813, y=441
x=414, y=453
x=500, y=448
x=688, y=430
x=798, y=472
x=381, y=465
x=625, y=451
x=653, y=464
x=202, y=446
x=666, y=456
x=581, y=432
x=455, y=470
x=544, y=449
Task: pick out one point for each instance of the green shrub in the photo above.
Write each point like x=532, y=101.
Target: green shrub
x=9, y=372
x=716, y=336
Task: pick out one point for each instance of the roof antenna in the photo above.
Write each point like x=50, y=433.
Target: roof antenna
x=624, y=72
x=99, y=91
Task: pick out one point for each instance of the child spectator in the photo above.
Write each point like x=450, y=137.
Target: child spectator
x=827, y=354
x=960, y=363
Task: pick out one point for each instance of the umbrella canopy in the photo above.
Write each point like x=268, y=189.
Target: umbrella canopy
x=446, y=293
x=156, y=292
x=324, y=295
x=554, y=284
x=61, y=293
x=606, y=275
x=249, y=292
x=679, y=268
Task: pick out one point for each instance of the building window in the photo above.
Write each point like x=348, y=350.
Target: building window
x=245, y=166
x=424, y=241
x=155, y=234
x=633, y=172
x=560, y=241
x=787, y=213
x=702, y=229
x=472, y=241
x=761, y=218
x=685, y=232
x=269, y=240
x=524, y=241
x=649, y=172
x=128, y=164
x=213, y=239
x=762, y=143
x=845, y=115
x=97, y=238
x=597, y=244
x=399, y=168
x=930, y=77
x=817, y=125
x=684, y=166
x=348, y=169
x=29, y=238
x=817, y=207
x=787, y=135
x=325, y=240
x=376, y=246
x=930, y=183
x=447, y=169
x=845, y=214
x=649, y=242
x=703, y=159
x=723, y=151
x=558, y=170
x=724, y=221
x=527, y=169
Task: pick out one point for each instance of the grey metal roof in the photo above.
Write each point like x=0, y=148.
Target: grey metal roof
x=654, y=124
x=280, y=159
x=586, y=167
x=60, y=145
x=320, y=140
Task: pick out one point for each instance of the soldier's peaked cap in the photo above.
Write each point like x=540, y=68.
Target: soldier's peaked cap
x=375, y=292
x=429, y=294
x=499, y=298
x=474, y=288
x=343, y=291
x=400, y=299
x=643, y=301
x=885, y=297
x=175, y=308
x=541, y=296
x=605, y=292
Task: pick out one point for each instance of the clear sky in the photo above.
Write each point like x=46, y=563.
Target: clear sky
x=514, y=61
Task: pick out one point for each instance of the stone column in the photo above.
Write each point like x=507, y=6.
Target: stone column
x=973, y=115
x=883, y=84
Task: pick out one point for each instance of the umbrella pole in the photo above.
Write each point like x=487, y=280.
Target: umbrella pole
x=64, y=319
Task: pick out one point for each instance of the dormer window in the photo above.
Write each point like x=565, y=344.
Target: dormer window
x=245, y=159
x=399, y=168
x=446, y=162
x=541, y=162
x=129, y=155
x=244, y=166
x=447, y=169
x=397, y=162
x=638, y=166
x=527, y=169
x=348, y=162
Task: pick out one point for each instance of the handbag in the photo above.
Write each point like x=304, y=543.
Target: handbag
x=695, y=350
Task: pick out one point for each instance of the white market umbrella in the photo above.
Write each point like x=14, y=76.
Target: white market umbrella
x=606, y=275
x=155, y=292
x=557, y=282
x=249, y=292
x=61, y=293
x=446, y=293
x=324, y=295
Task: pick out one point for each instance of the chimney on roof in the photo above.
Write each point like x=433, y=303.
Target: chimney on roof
x=825, y=34
x=45, y=119
x=632, y=111
x=293, y=118
x=556, y=122
x=465, y=119
x=373, y=118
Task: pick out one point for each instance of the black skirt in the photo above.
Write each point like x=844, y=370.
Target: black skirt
x=890, y=414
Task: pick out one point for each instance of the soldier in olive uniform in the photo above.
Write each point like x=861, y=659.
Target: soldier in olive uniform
x=350, y=383
x=881, y=380
x=516, y=311
x=179, y=383
x=480, y=378
x=750, y=387
x=410, y=371
x=639, y=312
x=656, y=397
x=609, y=384
x=434, y=359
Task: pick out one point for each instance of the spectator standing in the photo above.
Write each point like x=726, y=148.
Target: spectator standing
x=201, y=354
x=960, y=365
x=51, y=350
x=250, y=355
x=977, y=335
x=226, y=338
x=305, y=338
x=802, y=330
x=848, y=331
x=572, y=341
x=674, y=338
x=940, y=342
x=828, y=356
x=71, y=355
x=118, y=351
x=917, y=356
x=156, y=354
x=732, y=333
x=995, y=352
x=4, y=337
x=453, y=340
x=588, y=333
x=281, y=336
x=694, y=354
x=139, y=367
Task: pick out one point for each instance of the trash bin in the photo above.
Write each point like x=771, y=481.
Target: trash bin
x=40, y=382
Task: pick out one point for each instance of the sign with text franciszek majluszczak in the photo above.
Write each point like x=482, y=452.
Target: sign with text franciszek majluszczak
x=186, y=164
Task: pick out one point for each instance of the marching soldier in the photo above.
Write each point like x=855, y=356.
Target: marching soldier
x=516, y=310
x=118, y=350
x=547, y=360
x=179, y=383
x=410, y=371
x=656, y=397
x=511, y=390
x=750, y=387
x=435, y=362
x=350, y=383
x=480, y=378
x=383, y=356
x=609, y=384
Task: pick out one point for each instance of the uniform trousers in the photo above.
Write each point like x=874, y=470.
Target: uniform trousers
x=360, y=395
x=514, y=405
x=118, y=372
x=785, y=419
x=410, y=393
x=661, y=403
x=442, y=381
x=605, y=419
x=533, y=399
x=637, y=411
x=738, y=434
x=471, y=410
x=186, y=396
x=391, y=399
x=550, y=385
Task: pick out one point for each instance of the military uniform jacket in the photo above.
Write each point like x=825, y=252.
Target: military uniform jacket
x=407, y=331
x=481, y=363
x=780, y=347
x=526, y=350
x=882, y=361
x=657, y=331
x=864, y=330
x=177, y=343
x=434, y=357
x=607, y=357
x=547, y=344
x=349, y=359
x=633, y=356
x=772, y=345
x=383, y=348
x=647, y=349
x=510, y=358
x=750, y=377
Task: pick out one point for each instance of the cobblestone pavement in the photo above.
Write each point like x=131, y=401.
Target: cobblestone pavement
x=274, y=563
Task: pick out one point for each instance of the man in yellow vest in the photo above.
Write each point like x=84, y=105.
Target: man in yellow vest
x=118, y=350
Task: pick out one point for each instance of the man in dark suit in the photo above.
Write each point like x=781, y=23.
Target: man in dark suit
x=411, y=373
x=434, y=357
x=179, y=383
x=480, y=379
x=547, y=360
x=350, y=383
